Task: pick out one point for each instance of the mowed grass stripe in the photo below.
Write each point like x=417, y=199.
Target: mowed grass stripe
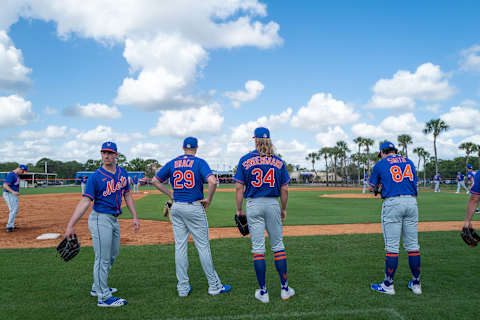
x=331, y=276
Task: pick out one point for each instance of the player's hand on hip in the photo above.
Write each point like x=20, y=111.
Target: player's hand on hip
x=205, y=203
x=283, y=214
x=135, y=225
x=16, y=193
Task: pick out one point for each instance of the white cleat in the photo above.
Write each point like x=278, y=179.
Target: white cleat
x=262, y=296
x=382, y=288
x=416, y=288
x=286, y=294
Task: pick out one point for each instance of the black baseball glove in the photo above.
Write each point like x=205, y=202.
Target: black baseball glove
x=68, y=248
x=377, y=189
x=470, y=236
x=166, y=208
x=242, y=224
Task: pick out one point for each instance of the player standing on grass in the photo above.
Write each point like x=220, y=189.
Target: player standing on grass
x=436, y=181
x=11, y=191
x=398, y=178
x=461, y=182
x=261, y=178
x=365, y=181
x=106, y=187
x=187, y=175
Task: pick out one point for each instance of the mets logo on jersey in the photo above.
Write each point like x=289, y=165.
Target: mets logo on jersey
x=114, y=187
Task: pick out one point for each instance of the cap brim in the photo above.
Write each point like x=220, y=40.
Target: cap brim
x=110, y=150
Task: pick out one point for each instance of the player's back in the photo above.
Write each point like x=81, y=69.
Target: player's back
x=397, y=175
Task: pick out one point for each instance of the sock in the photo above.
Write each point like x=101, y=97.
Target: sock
x=260, y=270
x=281, y=265
x=391, y=264
x=414, y=262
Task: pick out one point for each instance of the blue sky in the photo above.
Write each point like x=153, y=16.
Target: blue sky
x=150, y=73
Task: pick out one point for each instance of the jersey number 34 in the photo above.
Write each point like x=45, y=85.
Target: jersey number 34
x=260, y=179
x=398, y=175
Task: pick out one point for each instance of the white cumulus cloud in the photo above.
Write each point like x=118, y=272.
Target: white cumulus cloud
x=103, y=133
x=94, y=110
x=194, y=121
x=331, y=136
x=16, y=111
x=13, y=74
x=462, y=117
x=323, y=111
x=470, y=59
x=253, y=88
x=427, y=83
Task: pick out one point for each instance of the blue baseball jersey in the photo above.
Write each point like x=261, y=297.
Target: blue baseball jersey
x=365, y=177
x=475, y=189
x=397, y=175
x=470, y=175
x=107, y=190
x=83, y=180
x=13, y=181
x=262, y=176
x=135, y=179
x=460, y=177
x=436, y=177
x=187, y=175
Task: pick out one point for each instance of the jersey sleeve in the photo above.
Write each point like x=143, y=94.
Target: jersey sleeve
x=476, y=185
x=164, y=173
x=90, y=188
x=127, y=186
x=205, y=170
x=284, y=176
x=10, y=180
x=375, y=175
x=240, y=174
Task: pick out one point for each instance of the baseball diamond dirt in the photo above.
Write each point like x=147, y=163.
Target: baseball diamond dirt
x=49, y=213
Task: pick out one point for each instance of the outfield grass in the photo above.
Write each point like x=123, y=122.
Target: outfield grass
x=331, y=275
x=307, y=207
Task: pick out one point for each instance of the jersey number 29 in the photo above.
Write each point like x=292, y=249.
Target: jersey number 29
x=260, y=179
x=398, y=175
x=187, y=176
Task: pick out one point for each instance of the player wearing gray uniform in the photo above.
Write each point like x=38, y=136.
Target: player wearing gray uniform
x=106, y=188
x=187, y=175
x=398, y=178
x=11, y=191
x=261, y=178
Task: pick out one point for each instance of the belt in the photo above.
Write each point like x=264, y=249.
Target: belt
x=116, y=215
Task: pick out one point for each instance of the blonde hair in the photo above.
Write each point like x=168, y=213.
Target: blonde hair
x=264, y=146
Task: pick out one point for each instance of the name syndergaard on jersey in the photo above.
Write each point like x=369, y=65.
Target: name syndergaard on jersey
x=262, y=160
x=113, y=187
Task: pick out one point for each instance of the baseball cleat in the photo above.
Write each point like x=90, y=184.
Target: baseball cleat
x=416, y=288
x=285, y=294
x=183, y=295
x=93, y=293
x=112, y=302
x=262, y=296
x=223, y=289
x=9, y=229
x=382, y=288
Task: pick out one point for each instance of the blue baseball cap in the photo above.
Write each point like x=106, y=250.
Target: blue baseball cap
x=469, y=166
x=261, y=132
x=190, y=143
x=23, y=167
x=386, y=145
x=109, y=146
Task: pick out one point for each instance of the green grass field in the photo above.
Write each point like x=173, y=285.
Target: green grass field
x=331, y=274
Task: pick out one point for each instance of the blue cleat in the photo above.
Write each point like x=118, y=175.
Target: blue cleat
x=223, y=289
x=382, y=288
x=112, y=302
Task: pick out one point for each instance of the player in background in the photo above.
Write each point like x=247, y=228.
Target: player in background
x=187, y=174
x=11, y=191
x=261, y=178
x=436, y=182
x=470, y=175
x=83, y=183
x=365, y=181
x=398, y=177
x=106, y=187
x=461, y=182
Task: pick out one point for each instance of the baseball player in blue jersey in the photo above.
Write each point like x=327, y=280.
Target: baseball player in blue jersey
x=461, y=182
x=473, y=201
x=83, y=183
x=187, y=174
x=365, y=181
x=106, y=187
x=398, y=178
x=135, y=184
x=11, y=191
x=470, y=175
x=436, y=181
x=261, y=178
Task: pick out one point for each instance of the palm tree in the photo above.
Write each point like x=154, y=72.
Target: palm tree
x=435, y=126
x=359, y=141
x=343, y=150
x=335, y=153
x=468, y=147
x=404, y=140
x=425, y=155
x=419, y=151
x=367, y=142
x=312, y=156
x=325, y=152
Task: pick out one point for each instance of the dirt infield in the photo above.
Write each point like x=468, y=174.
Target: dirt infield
x=49, y=213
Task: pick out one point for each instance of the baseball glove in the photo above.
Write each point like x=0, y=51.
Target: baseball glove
x=242, y=224
x=68, y=248
x=166, y=208
x=377, y=189
x=470, y=236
